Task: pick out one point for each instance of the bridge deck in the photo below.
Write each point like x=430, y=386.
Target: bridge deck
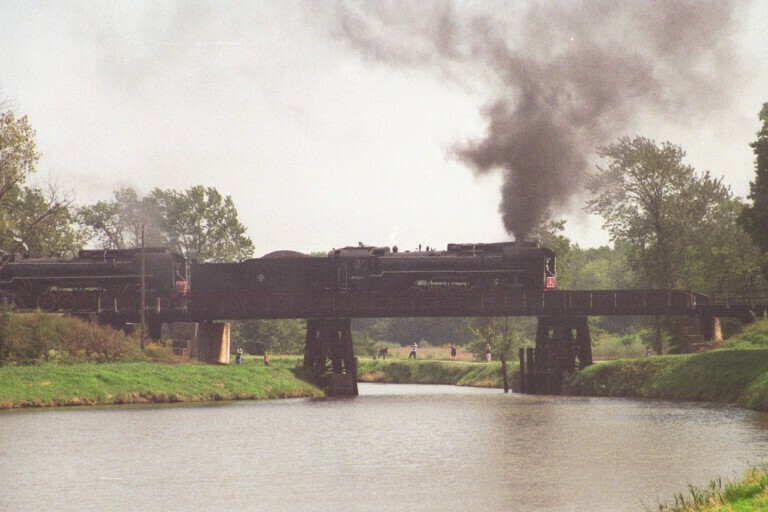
x=445, y=304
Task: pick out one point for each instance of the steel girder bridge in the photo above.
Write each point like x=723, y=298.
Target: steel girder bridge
x=563, y=341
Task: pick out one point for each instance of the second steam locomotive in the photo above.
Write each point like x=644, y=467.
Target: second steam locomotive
x=462, y=267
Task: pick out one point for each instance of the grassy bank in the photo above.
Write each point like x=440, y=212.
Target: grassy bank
x=433, y=372
x=127, y=383
x=749, y=493
x=729, y=376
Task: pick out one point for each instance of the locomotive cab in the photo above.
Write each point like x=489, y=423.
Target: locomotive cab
x=355, y=266
x=549, y=269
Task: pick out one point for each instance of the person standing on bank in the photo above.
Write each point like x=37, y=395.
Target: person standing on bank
x=453, y=351
x=413, y=351
x=488, y=353
x=238, y=355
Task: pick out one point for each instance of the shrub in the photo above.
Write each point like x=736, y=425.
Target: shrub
x=159, y=353
x=754, y=335
x=32, y=338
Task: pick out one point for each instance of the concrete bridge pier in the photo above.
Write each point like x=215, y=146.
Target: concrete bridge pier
x=710, y=328
x=207, y=342
x=330, y=340
x=562, y=345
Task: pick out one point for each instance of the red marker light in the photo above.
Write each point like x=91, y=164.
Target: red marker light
x=181, y=287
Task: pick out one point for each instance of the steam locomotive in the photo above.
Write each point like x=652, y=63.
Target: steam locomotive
x=462, y=267
x=108, y=282
x=95, y=281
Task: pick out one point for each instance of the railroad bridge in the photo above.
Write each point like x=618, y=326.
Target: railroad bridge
x=563, y=341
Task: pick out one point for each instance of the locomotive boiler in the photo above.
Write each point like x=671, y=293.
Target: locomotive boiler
x=462, y=267
x=94, y=281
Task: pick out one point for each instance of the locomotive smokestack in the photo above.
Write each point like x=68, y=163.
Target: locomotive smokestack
x=565, y=78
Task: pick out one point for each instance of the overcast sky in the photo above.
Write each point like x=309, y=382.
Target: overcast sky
x=332, y=123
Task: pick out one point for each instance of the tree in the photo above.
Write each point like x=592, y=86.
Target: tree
x=18, y=155
x=728, y=248
x=405, y=331
x=655, y=204
x=505, y=335
x=117, y=224
x=658, y=208
x=199, y=223
x=601, y=268
x=46, y=223
x=31, y=218
x=275, y=336
x=754, y=218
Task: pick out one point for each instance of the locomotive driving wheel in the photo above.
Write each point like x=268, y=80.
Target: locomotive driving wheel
x=66, y=301
x=46, y=302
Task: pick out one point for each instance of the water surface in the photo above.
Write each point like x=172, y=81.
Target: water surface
x=395, y=447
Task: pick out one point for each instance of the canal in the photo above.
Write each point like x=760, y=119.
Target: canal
x=395, y=447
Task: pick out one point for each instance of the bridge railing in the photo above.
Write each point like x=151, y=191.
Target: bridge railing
x=326, y=304
x=757, y=298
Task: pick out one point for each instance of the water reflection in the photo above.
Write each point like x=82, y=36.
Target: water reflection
x=393, y=448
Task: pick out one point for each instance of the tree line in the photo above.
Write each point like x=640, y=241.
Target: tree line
x=670, y=227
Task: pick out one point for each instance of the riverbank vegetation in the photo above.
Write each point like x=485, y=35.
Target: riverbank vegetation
x=36, y=338
x=729, y=376
x=51, y=385
x=737, y=374
x=404, y=371
x=749, y=493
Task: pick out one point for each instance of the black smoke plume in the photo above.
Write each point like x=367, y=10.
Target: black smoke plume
x=564, y=77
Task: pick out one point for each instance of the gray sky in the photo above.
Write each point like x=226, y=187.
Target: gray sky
x=332, y=123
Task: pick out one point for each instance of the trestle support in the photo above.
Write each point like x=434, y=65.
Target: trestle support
x=563, y=344
x=329, y=359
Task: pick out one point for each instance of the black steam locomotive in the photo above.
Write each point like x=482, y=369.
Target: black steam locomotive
x=99, y=281
x=462, y=267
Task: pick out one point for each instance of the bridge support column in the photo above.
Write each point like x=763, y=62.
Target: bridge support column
x=213, y=342
x=560, y=341
x=710, y=329
x=331, y=339
x=583, y=343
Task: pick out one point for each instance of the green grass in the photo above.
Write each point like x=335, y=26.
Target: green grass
x=748, y=494
x=433, y=372
x=122, y=383
x=729, y=376
x=737, y=374
x=754, y=335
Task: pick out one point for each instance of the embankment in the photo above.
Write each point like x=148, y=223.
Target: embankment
x=130, y=383
x=738, y=376
x=432, y=372
x=727, y=376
